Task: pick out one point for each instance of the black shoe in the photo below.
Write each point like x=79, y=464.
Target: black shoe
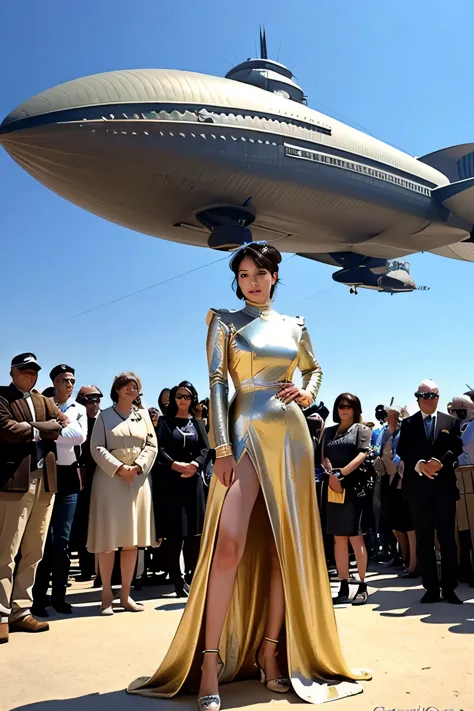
x=431, y=596
x=61, y=606
x=180, y=588
x=343, y=594
x=452, y=598
x=85, y=577
x=39, y=610
x=406, y=574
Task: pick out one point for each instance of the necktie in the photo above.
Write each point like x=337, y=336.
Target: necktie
x=429, y=427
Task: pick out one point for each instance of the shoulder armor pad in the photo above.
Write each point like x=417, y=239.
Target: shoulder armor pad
x=224, y=315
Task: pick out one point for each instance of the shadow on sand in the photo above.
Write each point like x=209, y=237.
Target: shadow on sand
x=238, y=695
x=405, y=602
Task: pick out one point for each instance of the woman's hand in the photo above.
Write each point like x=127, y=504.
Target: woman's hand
x=290, y=392
x=127, y=473
x=224, y=468
x=189, y=471
x=335, y=484
x=327, y=465
x=305, y=398
x=180, y=467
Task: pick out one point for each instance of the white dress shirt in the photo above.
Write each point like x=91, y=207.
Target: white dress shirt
x=424, y=416
x=74, y=434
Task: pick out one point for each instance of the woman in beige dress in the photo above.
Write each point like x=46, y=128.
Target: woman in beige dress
x=124, y=447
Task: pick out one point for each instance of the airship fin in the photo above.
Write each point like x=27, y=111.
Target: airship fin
x=458, y=198
x=456, y=162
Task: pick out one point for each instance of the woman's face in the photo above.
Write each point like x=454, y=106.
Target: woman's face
x=346, y=412
x=128, y=392
x=255, y=282
x=183, y=401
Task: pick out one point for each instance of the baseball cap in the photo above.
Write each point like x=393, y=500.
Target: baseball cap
x=25, y=360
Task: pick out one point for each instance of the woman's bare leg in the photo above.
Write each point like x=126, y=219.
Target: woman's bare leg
x=341, y=554
x=403, y=543
x=275, y=618
x=231, y=537
x=360, y=552
x=106, y=565
x=128, y=560
x=411, y=535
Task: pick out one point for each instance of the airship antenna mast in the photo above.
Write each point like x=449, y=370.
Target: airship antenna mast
x=263, y=43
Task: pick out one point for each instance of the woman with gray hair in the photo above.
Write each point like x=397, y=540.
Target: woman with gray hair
x=124, y=447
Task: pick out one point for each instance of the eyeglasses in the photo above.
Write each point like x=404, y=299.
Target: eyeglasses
x=427, y=396
x=92, y=399
x=184, y=397
x=345, y=407
x=68, y=380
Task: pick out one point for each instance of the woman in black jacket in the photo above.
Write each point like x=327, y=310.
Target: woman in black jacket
x=178, y=491
x=345, y=447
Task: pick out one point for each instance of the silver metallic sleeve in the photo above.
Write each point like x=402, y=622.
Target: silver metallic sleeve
x=309, y=366
x=217, y=354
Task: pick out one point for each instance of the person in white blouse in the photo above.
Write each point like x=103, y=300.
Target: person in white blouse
x=124, y=447
x=56, y=562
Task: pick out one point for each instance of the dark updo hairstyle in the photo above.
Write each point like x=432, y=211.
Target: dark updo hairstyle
x=351, y=400
x=124, y=379
x=172, y=410
x=263, y=256
x=161, y=404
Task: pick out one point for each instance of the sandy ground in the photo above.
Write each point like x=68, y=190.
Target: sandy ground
x=422, y=657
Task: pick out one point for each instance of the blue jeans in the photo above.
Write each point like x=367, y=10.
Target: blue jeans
x=56, y=562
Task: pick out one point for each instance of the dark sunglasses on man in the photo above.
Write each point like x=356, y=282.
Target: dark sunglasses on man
x=180, y=396
x=92, y=398
x=427, y=396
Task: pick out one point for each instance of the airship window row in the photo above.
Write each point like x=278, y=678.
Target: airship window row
x=295, y=152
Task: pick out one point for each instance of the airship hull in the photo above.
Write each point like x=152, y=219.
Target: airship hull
x=149, y=149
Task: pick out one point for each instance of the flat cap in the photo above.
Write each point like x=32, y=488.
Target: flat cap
x=63, y=368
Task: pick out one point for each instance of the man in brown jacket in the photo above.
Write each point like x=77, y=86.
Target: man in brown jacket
x=29, y=424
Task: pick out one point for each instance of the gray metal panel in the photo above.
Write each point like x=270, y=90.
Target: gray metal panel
x=168, y=85
x=461, y=250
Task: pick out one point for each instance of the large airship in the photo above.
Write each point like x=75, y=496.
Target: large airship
x=217, y=162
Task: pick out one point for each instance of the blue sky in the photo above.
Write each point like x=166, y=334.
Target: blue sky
x=401, y=70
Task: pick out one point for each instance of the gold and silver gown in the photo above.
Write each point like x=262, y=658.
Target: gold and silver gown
x=261, y=349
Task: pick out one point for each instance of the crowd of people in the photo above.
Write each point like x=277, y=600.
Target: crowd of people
x=128, y=489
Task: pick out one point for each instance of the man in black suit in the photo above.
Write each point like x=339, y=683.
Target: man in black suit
x=429, y=446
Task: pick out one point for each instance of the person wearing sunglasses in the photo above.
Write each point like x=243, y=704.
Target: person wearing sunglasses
x=344, y=449
x=178, y=490
x=429, y=445
x=91, y=397
x=56, y=561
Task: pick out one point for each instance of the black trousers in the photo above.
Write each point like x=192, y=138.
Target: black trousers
x=79, y=533
x=436, y=512
x=56, y=561
x=172, y=548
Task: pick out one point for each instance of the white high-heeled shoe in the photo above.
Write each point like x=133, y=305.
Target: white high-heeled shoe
x=210, y=702
x=278, y=685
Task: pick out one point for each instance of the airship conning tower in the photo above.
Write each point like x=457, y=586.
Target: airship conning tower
x=268, y=75
x=229, y=224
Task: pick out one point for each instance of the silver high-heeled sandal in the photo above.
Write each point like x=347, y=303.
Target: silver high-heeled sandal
x=278, y=685
x=210, y=702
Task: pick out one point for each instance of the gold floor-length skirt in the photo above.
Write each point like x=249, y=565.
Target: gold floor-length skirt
x=277, y=440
